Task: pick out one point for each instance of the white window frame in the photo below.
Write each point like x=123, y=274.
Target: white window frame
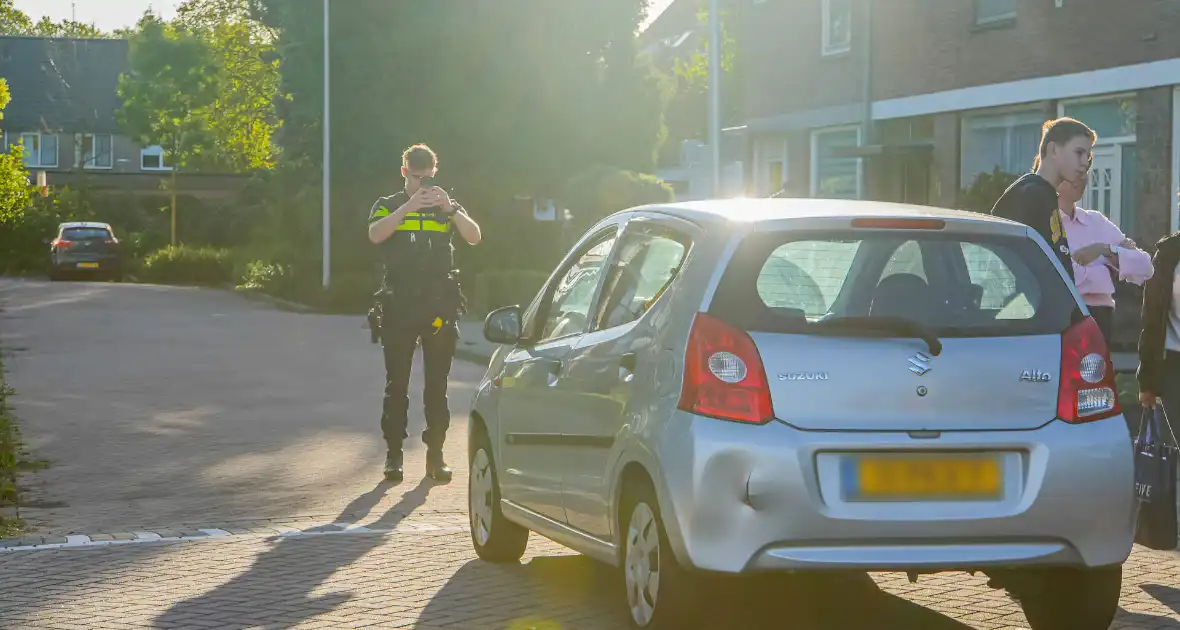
x=153, y=150
x=1009, y=113
x=1175, y=159
x=1061, y=105
x=829, y=47
x=995, y=19
x=39, y=163
x=860, y=163
x=88, y=163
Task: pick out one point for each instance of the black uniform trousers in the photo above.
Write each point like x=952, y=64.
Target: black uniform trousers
x=399, y=341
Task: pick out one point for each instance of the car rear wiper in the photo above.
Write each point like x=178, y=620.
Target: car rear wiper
x=894, y=325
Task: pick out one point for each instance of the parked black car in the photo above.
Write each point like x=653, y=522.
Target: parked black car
x=85, y=247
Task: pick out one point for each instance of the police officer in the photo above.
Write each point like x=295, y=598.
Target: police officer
x=420, y=302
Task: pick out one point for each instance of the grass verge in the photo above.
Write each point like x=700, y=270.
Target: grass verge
x=13, y=461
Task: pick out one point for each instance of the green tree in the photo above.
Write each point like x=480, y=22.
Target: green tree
x=242, y=119
x=66, y=28
x=516, y=95
x=21, y=227
x=13, y=21
x=173, y=79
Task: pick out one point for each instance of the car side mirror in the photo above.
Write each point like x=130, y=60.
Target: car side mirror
x=503, y=326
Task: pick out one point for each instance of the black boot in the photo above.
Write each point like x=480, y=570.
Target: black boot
x=436, y=468
x=393, y=466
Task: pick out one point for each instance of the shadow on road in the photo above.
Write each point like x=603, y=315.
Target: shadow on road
x=576, y=592
x=283, y=579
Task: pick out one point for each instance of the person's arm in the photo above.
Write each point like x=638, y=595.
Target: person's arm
x=383, y=222
x=467, y=226
x=1134, y=264
x=1157, y=291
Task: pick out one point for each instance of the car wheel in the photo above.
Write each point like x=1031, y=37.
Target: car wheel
x=496, y=539
x=660, y=593
x=1071, y=599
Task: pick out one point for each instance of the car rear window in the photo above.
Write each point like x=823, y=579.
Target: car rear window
x=85, y=234
x=956, y=285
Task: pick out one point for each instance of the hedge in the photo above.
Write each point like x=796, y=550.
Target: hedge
x=181, y=264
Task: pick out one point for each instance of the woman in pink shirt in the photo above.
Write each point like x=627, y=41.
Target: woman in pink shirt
x=1100, y=252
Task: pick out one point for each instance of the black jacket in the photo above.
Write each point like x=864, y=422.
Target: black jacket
x=1032, y=200
x=1157, y=303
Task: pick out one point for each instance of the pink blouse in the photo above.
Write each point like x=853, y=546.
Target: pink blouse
x=1093, y=281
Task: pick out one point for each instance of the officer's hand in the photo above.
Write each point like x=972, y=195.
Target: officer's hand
x=423, y=198
x=443, y=199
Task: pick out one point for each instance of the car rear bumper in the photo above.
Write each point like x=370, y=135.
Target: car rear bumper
x=84, y=263
x=746, y=498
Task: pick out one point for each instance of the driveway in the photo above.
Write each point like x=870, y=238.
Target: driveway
x=163, y=407
x=216, y=463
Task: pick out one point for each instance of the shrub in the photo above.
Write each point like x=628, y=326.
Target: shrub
x=183, y=264
x=494, y=289
x=982, y=194
x=267, y=277
x=604, y=190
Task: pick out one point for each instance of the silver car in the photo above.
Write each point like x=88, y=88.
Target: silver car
x=745, y=386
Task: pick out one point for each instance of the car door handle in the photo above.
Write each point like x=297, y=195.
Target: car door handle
x=627, y=365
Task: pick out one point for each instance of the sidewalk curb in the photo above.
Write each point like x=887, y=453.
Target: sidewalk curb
x=258, y=296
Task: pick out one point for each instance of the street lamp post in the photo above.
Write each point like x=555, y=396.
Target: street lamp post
x=715, y=94
x=327, y=159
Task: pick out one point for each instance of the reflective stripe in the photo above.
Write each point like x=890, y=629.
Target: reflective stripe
x=414, y=222
x=381, y=211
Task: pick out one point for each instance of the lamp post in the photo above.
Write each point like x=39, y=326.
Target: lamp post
x=327, y=159
x=715, y=94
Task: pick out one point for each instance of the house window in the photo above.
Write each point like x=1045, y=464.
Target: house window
x=152, y=159
x=40, y=150
x=94, y=150
x=992, y=11
x=1005, y=141
x=834, y=176
x=1113, y=119
x=837, y=24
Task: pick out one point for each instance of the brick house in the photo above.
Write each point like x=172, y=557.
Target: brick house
x=912, y=100
x=64, y=98
x=958, y=88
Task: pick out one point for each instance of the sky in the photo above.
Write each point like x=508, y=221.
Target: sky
x=109, y=15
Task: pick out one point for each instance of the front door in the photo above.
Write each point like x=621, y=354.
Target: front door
x=1105, y=191
x=612, y=364
x=531, y=409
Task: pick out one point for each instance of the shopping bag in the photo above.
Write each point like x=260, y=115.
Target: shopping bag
x=1155, y=481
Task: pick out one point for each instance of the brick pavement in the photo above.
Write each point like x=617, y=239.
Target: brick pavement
x=431, y=579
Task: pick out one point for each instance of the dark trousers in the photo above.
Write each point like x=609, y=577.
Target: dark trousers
x=438, y=350
x=1104, y=316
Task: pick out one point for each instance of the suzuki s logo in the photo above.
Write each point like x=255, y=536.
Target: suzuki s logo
x=920, y=364
x=1035, y=376
x=803, y=376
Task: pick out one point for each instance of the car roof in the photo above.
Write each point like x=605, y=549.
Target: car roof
x=759, y=210
x=84, y=224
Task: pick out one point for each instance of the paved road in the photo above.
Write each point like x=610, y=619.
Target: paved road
x=248, y=434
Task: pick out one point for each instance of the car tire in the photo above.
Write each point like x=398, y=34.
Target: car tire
x=1071, y=599
x=659, y=599
x=495, y=538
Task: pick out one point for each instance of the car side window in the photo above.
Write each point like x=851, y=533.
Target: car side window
x=646, y=265
x=567, y=308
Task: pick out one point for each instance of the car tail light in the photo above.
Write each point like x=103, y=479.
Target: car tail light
x=1088, y=390
x=112, y=242
x=723, y=374
x=61, y=244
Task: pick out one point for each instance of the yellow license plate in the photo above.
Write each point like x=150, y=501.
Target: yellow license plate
x=923, y=478
x=88, y=265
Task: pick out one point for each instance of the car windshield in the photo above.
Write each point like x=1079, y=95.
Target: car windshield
x=85, y=234
x=945, y=284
